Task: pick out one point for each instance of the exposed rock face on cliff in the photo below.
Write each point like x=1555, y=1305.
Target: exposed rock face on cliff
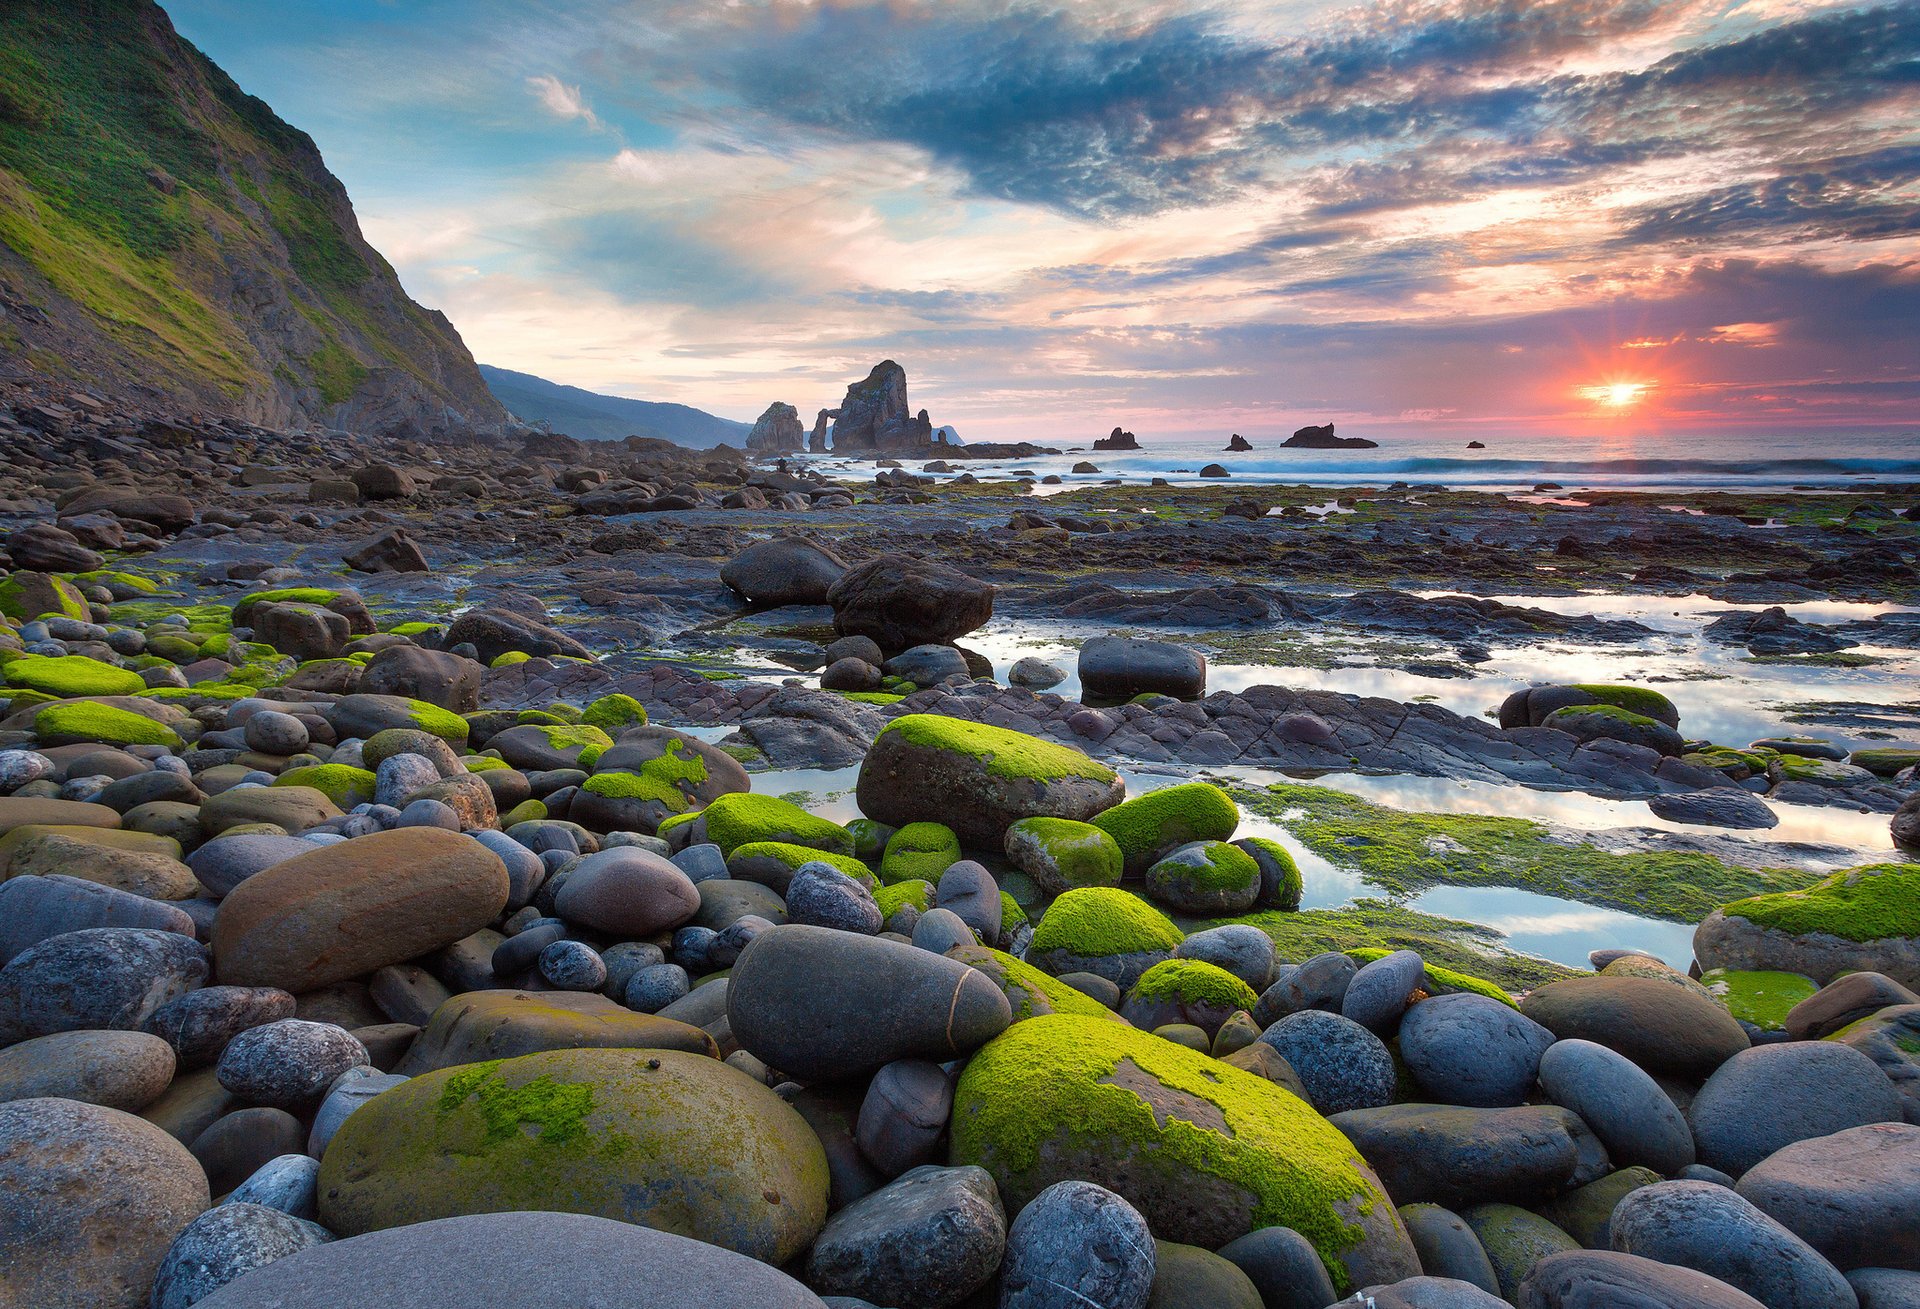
x=164, y=235
x=1117, y=440
x=1322, y=438
x=778, y=430
x=874, y=415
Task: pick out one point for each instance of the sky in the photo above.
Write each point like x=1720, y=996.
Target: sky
x=1472, y=216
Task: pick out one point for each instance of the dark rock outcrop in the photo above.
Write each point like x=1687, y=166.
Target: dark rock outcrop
x=778, y=430
x=1322, y=438
x=1117, y=440
x=874, y=414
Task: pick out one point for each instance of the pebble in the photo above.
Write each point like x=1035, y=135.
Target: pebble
x=1472, y=1049
x=288, y=1064
x=932, y=1237
x=225, y=1242
x=1624, y=1107
x=1342, y=1064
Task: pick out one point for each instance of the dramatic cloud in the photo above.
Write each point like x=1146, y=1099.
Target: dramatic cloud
x=1404, y=213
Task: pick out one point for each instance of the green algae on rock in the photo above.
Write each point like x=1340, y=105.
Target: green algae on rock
x=662, y=1138
x=613, y=713
x=1205, y=878
x=1187, y=991
x=977, y=779
x=919, y=852
x=1371, y=924
x=1440, y=981
x=1060, y=854
x=891, y=898
x=1153, y=825
x=70, y=676
x=742, y=818
x=1103, y=930
x=343, y=784
x=1205, y=1151
x=1030, y=991
x=1858, y=919
x=74, y=722
x=42, y=593
x=1761, y=999
x=1406, y=852
x=791, y=857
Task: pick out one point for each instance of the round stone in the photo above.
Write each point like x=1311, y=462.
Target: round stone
x=1203, y=1150
x=607, y=1132
x=119, y=1070
x=93, y=1199
x=1773, y=1095
x=1077, y=1245
x=223, y=1243
x=1607, y=1279
x=820, y=895
x=1239, y=948
x=932, y=1238
x=98, y=977
x=1711, y=1229
x=288, y=1064
x=1471, y=1049
x=1636, y=1120
x=1851, y=1196
x=1663, y=1027
x=1457, y=1156
x=1205, y=879
x=1103, y=930
x=1342, y=1064
x=1060, y=854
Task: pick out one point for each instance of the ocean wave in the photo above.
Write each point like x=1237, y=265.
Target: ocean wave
x=1439, y=467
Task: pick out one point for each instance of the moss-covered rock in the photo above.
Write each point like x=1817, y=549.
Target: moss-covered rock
x=1103, y=930
x=614, y=713
x=1441, y=981
x=363, y=715
x=70, y=676
x=892, y=898
x=1030, y=991
x=343, y=784
x=742, y=819
x=1858, y=920
x=27, y=595
x=1280, y=884
x=773, y=864
x=1758, y=1000
x=1060, y=854
x=540, y=747
x=1205, y=1151
x=919, y=852
x=977, y=779
x=1152, y=826
x=1187, y=991
x=1205, y=879
x=1596, y=722
x=672, y=1141
x=72, y=722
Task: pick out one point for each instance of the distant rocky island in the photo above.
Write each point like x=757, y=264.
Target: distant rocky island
x=1322, y=438
x=1238, y=444
x=873, y=419
x=1117, y=440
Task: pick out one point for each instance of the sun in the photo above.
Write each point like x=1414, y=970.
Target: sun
x=1616, y=395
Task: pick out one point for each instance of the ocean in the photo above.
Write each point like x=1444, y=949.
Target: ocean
x=1723, y=462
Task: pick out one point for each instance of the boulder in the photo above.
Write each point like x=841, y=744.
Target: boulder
x=347, y=909
x=96, y=978
x=1456, y=1156
x=904, y=602
x=1472, y=1050
x=1624, y=1107
x=493, y=632
x=222, y=1244
x=1077, y=1245
x=1204, y=1151
x=1342, y=1065
x=1766, y=1098
x=1713, y=1230
x=433, y=676
x=117, y=1070
x=673, y=1141
x=1851, y=1196
x=482, y=1026
x=931, y=1238
x=977, y=779
x=537, y=1260
x=627, y=893
x=1660, y=1026
x=93, y=1199
x=1891, y=1039
x=788, y=570
x=821, y=1005
x=1121, y=667
x=1102, y=930
x=1858, y=920
x=1151, y=826
x=32, y=909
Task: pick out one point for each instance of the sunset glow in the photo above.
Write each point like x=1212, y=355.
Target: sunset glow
x=1174, y=215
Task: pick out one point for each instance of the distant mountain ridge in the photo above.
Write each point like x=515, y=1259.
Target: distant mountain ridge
x=164, y=236
x=590, y=416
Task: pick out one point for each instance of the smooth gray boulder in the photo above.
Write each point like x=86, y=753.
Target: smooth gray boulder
x=932, y=1237
x=1620, y=1102
x=1075, y=1246
x=1852, y=1196
x=98, y=977
x=529, y=1259
x=1607, y=1279
x=1471, y=1049
x=1709, y=1228
x=1283, y=1266
x=1766, y=1098
x=1380, y=991
x=1448, y=1247
x=225, y=1242
x=288, y=1064
x=1457, y=1157
x=33, y=909
x=1342, y=1064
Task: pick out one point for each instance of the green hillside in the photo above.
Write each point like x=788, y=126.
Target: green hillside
x=160, y=228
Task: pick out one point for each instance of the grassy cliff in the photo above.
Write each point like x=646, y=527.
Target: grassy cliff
x=165, y=235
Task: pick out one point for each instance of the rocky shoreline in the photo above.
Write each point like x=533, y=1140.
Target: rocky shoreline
x=395, y=910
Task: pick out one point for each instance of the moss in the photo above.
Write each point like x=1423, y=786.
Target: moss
x=343, y=784
x=1054, y=1097
x=1197, y=981
x=669, y=779
x=509, y=658
x=1030, y=991
x=108, y=577
x=306, y=595
x=919, y=851
x=553, y=1112
x=1451, y=943
x=668, y=824
x=83, y=721
x=1150, y=825
x=741, y=818
x=1405, y=853
x=890, y=898
x=1220, y=867
x=527, y=811
x=1886, y=760
x=1611, y=713
x=204, y=693
x=872, y=697
x=794, y=855
x=1441, y=981
x=1636, y=700
x=1094, y=921
x=1758, y=997
x=69, y=602
x=1285, y=895
x=612, y=713
x=1871, y=903
x=413, y=628
x=71, y=676
x=1002, y=752
x=1080, y=853
x=443, y=723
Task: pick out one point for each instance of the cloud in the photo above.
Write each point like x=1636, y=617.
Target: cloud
x=1866, y=197
x=562, y=100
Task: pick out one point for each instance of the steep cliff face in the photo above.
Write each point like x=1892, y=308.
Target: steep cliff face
x=165, y=236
